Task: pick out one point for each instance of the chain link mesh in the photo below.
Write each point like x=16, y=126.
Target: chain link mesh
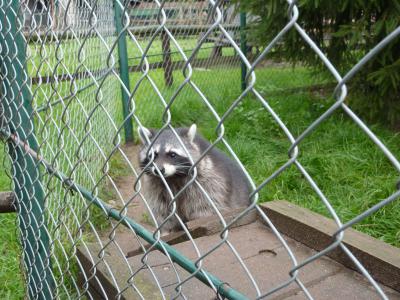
x=62, y=114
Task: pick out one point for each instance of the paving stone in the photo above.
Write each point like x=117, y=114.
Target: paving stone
x=261, y=252
x=347, y=285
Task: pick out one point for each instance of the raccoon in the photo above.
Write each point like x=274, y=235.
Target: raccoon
x=219, y=176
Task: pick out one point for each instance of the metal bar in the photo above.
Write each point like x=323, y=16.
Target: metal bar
x=243, y=48
x=176, y=52
x=177, y=30
x=27, y=186
x=51, y=78
x=223, y=289
x=197, y=63
x=51, y=104
x=123, y=70
x=47, y=79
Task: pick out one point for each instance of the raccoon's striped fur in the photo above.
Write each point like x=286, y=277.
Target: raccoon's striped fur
x=217, y=175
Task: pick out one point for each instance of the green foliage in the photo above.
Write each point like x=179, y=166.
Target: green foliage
x=351, y=171
x=12, y=282
x=349, y=168
x=344, y=30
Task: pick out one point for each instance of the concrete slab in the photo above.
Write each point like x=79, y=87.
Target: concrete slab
x=315, y=231
x=260, y=252
x=346, y=284
x=109, y=275
x=269, y=264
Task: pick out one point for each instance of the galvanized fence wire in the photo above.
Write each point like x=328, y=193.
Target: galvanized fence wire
x=65, y=127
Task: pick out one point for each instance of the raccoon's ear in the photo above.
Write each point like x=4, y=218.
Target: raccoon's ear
x=192, y=132
x=143, y=132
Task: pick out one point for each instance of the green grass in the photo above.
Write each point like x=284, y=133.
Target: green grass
x=42, y=58
x=346, y=165
x=155, y=51
x=350, y=170
x=12, y=286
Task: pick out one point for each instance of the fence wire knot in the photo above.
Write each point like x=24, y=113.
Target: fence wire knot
x=79, y=78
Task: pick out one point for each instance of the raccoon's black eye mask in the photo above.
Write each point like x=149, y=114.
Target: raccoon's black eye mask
x=182, y=164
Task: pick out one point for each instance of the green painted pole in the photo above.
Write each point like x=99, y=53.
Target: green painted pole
x=224, y=289
x=243, y=48
x=123, y=69
x=25, y=170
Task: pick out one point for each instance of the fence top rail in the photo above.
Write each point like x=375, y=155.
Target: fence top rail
x=143, y=30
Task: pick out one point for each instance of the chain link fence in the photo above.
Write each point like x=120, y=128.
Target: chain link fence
x=78, y=77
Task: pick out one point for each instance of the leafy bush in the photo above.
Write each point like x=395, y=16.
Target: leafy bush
x=345, y=31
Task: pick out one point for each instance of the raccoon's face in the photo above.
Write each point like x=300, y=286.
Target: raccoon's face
x=168, y=154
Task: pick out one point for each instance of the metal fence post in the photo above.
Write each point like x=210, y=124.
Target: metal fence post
x=243, y=47
x=26, y=172
x=123, y=70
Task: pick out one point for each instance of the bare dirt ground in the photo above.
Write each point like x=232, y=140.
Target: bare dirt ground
x=136, y=209
x=256, y=244
x=125, y=184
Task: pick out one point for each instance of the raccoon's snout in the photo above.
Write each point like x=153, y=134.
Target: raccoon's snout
x=154, y=171
x=166, y=170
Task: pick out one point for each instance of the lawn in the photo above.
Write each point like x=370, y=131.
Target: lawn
x=12, y=286
x=186, y=45
x=346, y=165
x=93, y=54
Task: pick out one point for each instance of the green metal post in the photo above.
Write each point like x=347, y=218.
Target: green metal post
x=27, y=186
x=243, y=47
x=224, y=289
x=123, y=69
